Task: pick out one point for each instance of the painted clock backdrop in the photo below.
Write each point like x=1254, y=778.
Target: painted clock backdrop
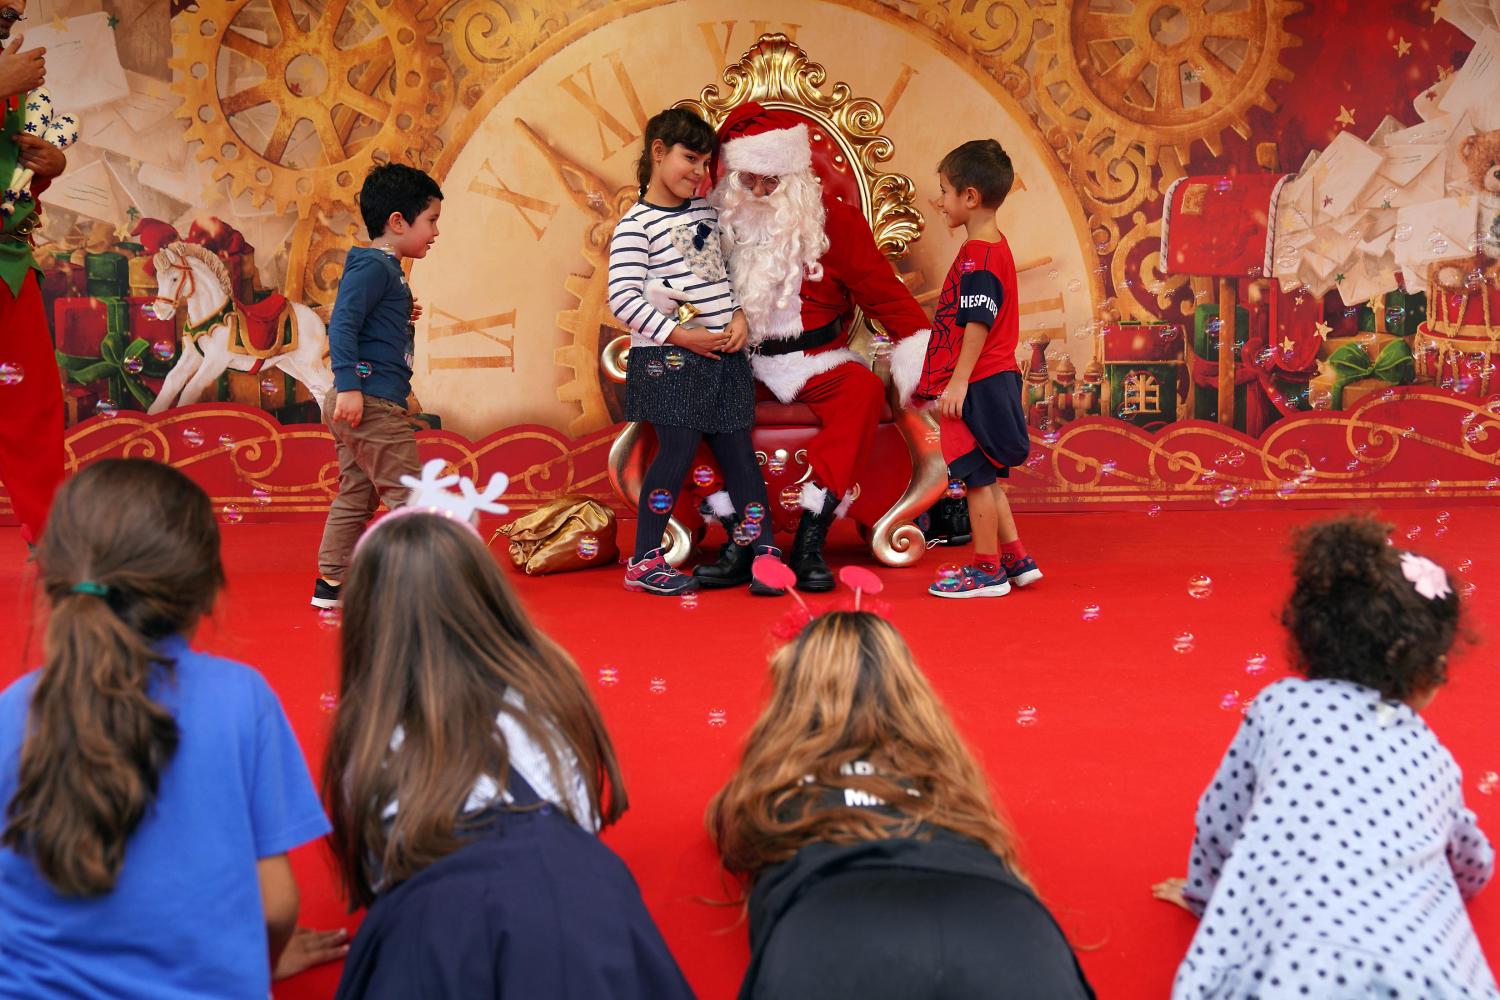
x=247, y=125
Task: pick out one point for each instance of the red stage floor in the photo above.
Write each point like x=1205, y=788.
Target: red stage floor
x=1098, y=735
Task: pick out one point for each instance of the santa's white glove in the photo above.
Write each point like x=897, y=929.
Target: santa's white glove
x=664, y=299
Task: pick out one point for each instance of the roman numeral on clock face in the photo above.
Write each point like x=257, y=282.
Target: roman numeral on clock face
x=718, y=51
x=527, y=207
x=484, y=327
x=586, y=94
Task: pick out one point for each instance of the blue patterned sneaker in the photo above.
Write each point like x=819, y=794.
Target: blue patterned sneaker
x=971, y=582
x=652, y=574
x=1022, y=572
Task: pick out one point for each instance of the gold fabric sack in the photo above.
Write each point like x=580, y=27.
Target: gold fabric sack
x=568, y=533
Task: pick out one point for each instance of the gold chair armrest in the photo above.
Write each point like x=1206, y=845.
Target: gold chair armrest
x=613, y=360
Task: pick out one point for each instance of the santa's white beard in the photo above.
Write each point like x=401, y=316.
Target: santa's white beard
x=771, y=243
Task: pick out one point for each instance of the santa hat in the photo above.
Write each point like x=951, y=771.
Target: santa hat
x=763, y=141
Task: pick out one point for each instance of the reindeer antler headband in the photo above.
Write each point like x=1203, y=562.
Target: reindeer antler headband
x=432, y=494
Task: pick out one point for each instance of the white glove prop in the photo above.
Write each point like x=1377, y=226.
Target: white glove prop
x=41, y=120
x=671, y=302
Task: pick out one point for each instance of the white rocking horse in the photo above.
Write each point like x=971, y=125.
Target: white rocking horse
x=224, y=334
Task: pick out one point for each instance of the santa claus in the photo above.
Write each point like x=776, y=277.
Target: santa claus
x=801, y=261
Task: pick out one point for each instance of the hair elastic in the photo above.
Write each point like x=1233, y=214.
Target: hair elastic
x=90, y=587
x=1425, y=575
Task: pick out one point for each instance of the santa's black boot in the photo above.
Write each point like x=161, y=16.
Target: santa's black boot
x=732, y=569
x=806, y=560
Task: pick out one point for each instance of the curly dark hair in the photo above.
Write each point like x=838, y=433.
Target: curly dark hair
x=1354, y=616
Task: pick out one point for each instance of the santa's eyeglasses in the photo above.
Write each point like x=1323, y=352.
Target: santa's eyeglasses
x=750, y=181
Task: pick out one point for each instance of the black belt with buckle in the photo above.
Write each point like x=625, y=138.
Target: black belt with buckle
x=805, y=341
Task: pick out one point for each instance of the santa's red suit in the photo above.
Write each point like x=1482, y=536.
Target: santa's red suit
x=799, y=341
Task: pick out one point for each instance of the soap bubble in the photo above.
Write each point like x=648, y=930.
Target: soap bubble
x=1183, y=642
x=268, y=386
x=1488, y=782
x=654, y=367
x=262, y=496
x=949, y=577
x=1286, y=490
x=163, y=350
x=660, y=501
x=1227, y=496
x=1433, y=485
x=192, y=437
x=956, y=489
x=658, y=685
x=1234, y=458
x=1255, y=664
x=328, y=701
x=330, y=618
x=1229, y=701
x=106, y=408
x=362, y=369
x=226, y=440
x=588, y=546
x=791, y=498
x=609, y=676
x=703, y=475
x=232, y=514
x=755, y=511
x=675, y=360
x=717, y=718
x=132, y=366
x=688, y=601
x=776, y=464
x=1443, y=517
x=1091, y=612
x=1200, y=586
x=1464, y=565
x=1413, y=533
x=1026, y=716
x=745, y=532
x=1154, y=510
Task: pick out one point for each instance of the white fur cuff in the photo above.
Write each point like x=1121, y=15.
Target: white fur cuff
x=773, y=154
x=813, y=497
x=721, y=505
x=908, y=358
x=786, y=374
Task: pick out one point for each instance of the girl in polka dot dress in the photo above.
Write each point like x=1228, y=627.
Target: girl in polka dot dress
x=1333, y=851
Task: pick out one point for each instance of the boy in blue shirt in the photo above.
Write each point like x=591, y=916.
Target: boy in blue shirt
x=370, y=342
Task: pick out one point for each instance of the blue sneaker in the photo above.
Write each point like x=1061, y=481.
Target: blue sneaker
x=1022, y=572
x=971, y=582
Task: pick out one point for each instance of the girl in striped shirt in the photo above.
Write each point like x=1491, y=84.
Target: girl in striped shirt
x=687, y=376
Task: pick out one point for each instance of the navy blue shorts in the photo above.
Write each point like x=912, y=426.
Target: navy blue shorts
x=992, y=436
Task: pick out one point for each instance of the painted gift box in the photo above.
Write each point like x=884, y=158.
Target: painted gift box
x=1352, y=373
x=107, y=274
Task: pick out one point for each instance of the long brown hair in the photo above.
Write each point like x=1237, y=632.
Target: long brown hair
x=846, y=690
x=141, y=539
x=433, y=638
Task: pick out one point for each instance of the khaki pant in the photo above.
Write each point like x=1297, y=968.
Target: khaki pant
x=372, y=459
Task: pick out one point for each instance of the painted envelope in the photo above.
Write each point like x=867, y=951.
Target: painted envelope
x=83, y=66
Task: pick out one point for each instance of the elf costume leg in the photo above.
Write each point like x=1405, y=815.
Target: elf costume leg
x=31, y=409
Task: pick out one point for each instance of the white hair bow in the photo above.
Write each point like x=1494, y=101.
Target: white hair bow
x=1425, y=575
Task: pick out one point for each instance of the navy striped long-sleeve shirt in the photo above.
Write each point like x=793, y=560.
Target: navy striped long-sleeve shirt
x=678, y=246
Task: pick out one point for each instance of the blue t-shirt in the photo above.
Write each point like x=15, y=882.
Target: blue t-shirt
x=185, y=917
x=370, y=336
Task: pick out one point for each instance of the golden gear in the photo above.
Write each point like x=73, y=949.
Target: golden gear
x=996, y=33
x=1128, y=71
x=488, y=36
x=397, y=80
x=318, y=247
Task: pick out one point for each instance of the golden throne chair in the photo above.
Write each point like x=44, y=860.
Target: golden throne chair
x=906, y=473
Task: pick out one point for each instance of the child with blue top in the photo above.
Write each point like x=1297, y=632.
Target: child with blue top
x=370, y=342
x=151, y=792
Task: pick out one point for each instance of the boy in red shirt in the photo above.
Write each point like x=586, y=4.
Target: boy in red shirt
x=971, y=369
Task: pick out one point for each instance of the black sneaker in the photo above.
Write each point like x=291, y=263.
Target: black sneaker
x=327, y=595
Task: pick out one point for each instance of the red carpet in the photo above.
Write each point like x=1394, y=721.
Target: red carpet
x=1101, y=784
